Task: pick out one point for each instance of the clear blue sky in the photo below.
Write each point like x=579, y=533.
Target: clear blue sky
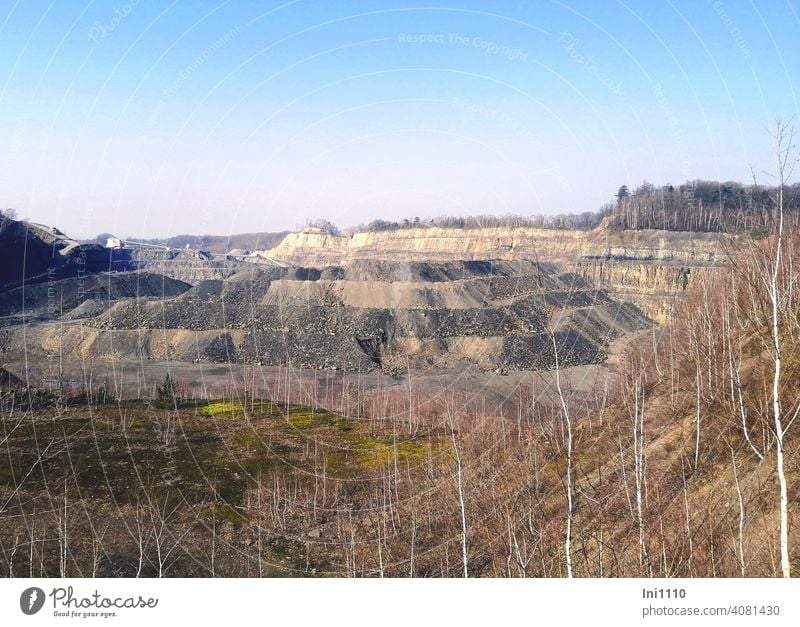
x=156, y=117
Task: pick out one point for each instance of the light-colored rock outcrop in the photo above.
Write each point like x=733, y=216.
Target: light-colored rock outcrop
x=499, y=243
x=649, y=268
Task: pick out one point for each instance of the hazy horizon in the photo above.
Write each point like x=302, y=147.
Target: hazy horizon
x=342, y=227
x=150, y=119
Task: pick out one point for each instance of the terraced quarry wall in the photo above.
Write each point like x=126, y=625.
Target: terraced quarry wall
x=184, y=265
x=499, y=243
x=496, y=299
x=648, y=268
x=361, y=316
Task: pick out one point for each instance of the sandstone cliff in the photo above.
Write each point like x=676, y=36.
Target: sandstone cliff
x=499, y=243
x=649, y=268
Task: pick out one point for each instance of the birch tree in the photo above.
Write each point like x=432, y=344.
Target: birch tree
x=785, y=164
x=569, y=471
x=776, y=282
x=459, y=476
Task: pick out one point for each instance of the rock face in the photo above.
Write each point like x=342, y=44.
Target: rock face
x=85, y=296
x=499, y=243
x=184, y=265
x=653, y=286
x=648, y=268
x=35, y=254
x=497, y=299
x=363, y=315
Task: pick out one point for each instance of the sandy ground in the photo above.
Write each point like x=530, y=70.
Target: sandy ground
x=492, y=393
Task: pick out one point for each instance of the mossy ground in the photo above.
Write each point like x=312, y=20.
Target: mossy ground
x=210, y=459
x=237, y=409
x=373, y=452
x=218, y=448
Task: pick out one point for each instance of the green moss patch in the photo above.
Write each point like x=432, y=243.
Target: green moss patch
x=232, y=409
x=237, y=409
x=379, y=453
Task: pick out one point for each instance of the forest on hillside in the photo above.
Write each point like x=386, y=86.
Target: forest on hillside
x=699, y=206
x=704, y=206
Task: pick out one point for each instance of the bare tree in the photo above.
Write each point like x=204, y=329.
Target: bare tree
x=459, y=487
x=741, y=512
x=639, y=467
x=783, y=152
x=734, y=365
x=162, y=517
x=569, y=471
x=778, y=294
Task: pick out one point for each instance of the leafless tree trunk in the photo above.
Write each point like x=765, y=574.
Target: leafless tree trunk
x=639, y=460
x=736, y=387
x=460, y=488
x=783, y=141
x=776, y=297
x=63, y=538
x=697, y=418
x=413, y=543
x=741, y=512
x=569, y=472
x=140, y=536
x=687, y=520
x=164, y=539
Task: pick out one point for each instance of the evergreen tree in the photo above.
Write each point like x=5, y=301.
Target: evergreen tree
x=165, y=395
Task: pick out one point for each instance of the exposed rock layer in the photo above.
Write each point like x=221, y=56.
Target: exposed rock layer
x=494, y=298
